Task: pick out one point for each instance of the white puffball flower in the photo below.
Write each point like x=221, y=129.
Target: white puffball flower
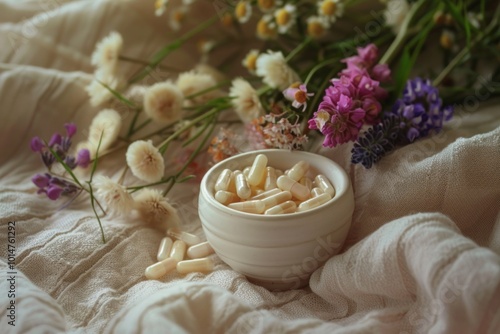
x=274, y=70
x=145, y=161
x=217, y=75
x=395, y=14
x=97, y=92
x=136, y=94
x=163, y=102
x=116, y=197
x=107, y=123
x=155, y=209
x=107, y=51
x=194, y=82
x=245, y=100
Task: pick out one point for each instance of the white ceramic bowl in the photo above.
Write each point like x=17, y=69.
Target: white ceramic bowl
x=278, y=252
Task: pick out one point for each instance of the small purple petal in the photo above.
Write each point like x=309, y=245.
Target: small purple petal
x=41, y=181
x=70, y=129
x=36, y=144
x=56, y=139
x=83, y=158
x=412, y=134
x=54, y=192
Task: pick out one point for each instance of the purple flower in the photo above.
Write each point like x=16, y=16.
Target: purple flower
x=373, y=144
x=417, y=113
x=70, y=129
x=54, y=192
x=37, y=144
x=56, y=139
x=421, y=109
x=83, y=158
x=41, y=181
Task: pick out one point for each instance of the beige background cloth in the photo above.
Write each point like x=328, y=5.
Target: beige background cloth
x=422, y=255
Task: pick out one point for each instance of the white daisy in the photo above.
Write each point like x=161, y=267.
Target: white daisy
x=330, y=9
x=317, y=26
x=245, y=100
x=160, y=7
x=285, y=18
x=249, y=62
x=266, y=27
x=243, y=11
x=145, y=161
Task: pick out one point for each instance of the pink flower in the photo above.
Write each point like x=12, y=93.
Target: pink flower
x=298, y=95
x=343, y=124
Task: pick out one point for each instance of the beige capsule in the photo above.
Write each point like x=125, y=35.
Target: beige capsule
x=223, y=180
x=316, y=191
x=242, y=188
x=160, y=269
x=253, y=206
x=201, y=250
x=276, y=199
x=305, y=181
x=285, y=207
x=271, y=178
x=178, y=250
x=298, y=191
x=188, y=238
x=314, y=202
x=164, y=249
x=266, y=193
x=298, y=170
x=226, y=197
x=258, y=170
x=203, y=265
x=325, y=185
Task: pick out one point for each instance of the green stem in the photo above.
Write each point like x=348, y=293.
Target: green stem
x=458, y=58
x=318, y=67
x=163, y=146
x=400, y=37
x=163, y=53
x=298, y=49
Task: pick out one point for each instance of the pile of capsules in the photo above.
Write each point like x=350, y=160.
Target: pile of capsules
x=171, y=255
x=265, y=190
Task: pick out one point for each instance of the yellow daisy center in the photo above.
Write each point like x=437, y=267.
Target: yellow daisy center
x=241, y=9
x=227, y=20
x=300, y=96
x=251, y=61
x=328, y=8
x=315, y=29
x=158, y=4
x=266, y=4
x=179, y=16
x=283, y=17
x=264, y=30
